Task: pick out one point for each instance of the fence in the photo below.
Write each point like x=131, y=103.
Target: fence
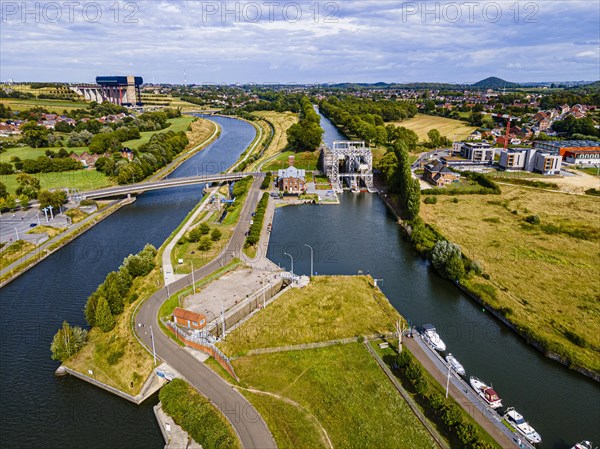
x=202, y=344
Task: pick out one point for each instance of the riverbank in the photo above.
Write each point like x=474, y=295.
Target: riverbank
x=52, y=245
x=501, y=311
x=39, y=253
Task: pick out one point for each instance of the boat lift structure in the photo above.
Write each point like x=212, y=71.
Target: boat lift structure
x=350, y=161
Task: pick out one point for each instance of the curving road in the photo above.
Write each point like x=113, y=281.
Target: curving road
x=249, y=425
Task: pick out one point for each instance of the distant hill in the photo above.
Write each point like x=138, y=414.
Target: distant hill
x=494, y=83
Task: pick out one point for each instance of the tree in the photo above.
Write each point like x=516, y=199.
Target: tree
x=3, y=191
x=67, y=341
x=54, y=199
x=435, y=138
x=194, y=235
x=216, y=235
x=23, y=201
x=115, y=288
x=413, y=199
x=8, y=202
x=447, y=259
x=104, y=319
x=205, y=243
x=90, y=308
x=204, y=228
x=28, y=185
x=6, y=168
x=35, y=135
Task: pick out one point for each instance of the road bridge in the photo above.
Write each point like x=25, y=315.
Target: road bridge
x=165, y=184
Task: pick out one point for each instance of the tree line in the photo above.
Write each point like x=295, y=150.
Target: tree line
x=306, y=135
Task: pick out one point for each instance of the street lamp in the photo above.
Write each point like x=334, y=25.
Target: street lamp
x=311, y=260
x=222, y=320
x=290, y=256
x=193, y=280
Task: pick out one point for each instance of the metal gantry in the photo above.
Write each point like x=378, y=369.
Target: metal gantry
x=351, y=161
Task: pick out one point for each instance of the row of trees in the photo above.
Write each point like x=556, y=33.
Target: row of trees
x=395, y=166
x=110, y=297
x=306, y=135
x=257, y=224
x=366, y=118
x=160, y=150
x=449, y=414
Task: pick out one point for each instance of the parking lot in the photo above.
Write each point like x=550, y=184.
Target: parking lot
x=15, y=225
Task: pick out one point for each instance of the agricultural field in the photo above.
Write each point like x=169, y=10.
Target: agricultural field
x=421, y=124
x=281, y=122
x=558, y=309
x=333, y=307
x=56, y=106
x=176, y=124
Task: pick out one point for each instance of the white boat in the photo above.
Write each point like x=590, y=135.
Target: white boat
x=583, y=445
x=488, y=394
x=432, y=338
x=455, y=364
x=516, y=420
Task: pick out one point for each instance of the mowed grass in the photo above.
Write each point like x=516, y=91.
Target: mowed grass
x=27, y=152
x=176, y=124
x=545, y=279
x=281, y=121
x=129, y=370
x=329, y=308
x=340, y=389
x=76, y=179
x=306, y=160
x=422, y=124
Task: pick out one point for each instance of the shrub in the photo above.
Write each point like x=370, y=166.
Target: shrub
x=533, y=219
x=216, y=235
x=430, y=200
x=447, y=260
x=204, y=228
x=205, y=243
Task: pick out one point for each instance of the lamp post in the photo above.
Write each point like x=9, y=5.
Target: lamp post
x=51, y=214
x=222, y=320
x=311, y=260
x=153, y=348
x=193, y=280
x=17, y=231
x=292, y=259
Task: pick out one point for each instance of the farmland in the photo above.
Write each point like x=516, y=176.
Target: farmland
x=558, y=309
x=449, y=128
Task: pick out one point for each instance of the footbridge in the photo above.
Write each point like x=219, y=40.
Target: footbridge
x=165, y=184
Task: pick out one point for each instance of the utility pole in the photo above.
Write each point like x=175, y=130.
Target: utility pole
x=17, y=231
x=292, y=259
x=222, y=320
x=153, y=348
x=51, y=214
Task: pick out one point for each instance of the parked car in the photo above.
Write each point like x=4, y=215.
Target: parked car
x=33, y=225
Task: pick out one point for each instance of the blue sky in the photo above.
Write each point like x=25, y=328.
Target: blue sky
x=301, y=41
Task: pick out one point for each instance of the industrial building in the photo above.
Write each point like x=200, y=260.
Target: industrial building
x=562, y=146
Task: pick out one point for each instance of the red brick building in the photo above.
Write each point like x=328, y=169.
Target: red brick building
x=189, y=319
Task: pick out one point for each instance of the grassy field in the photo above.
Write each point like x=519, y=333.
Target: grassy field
x=133, y=363
x=77, y=179
x=590, y=171
x=544, y=277
x=42, y=229
x=281, y=122
x=449, y=128
x=27, y=152
x=56, y=106
x=13, y=251
x=176, y=124
x=338, y=307
x=340, y=389
x=189, y=251
x=305, y=160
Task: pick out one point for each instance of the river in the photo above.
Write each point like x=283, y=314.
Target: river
x=360, y=234
x=38, y=409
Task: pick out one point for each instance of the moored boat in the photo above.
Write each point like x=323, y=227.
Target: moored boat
x=488, y=394
x=516, y=420
x=583, y=445
x=432, y=338
x=455, y=364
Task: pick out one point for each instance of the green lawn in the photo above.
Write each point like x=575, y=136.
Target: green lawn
x=590, y=171
x=306, y=160
x=329, y=308
x=27, y=152
x=339, y=388
x=79, y=179
x=177, y=124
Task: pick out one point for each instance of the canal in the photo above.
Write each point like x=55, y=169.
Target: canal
x=38, y=409
x=360, y=235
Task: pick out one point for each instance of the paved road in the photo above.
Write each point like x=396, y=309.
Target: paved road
x=249, y=425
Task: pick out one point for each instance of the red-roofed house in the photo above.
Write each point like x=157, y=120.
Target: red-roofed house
x=189, y=319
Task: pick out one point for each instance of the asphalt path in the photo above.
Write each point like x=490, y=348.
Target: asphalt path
x=248, y=424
